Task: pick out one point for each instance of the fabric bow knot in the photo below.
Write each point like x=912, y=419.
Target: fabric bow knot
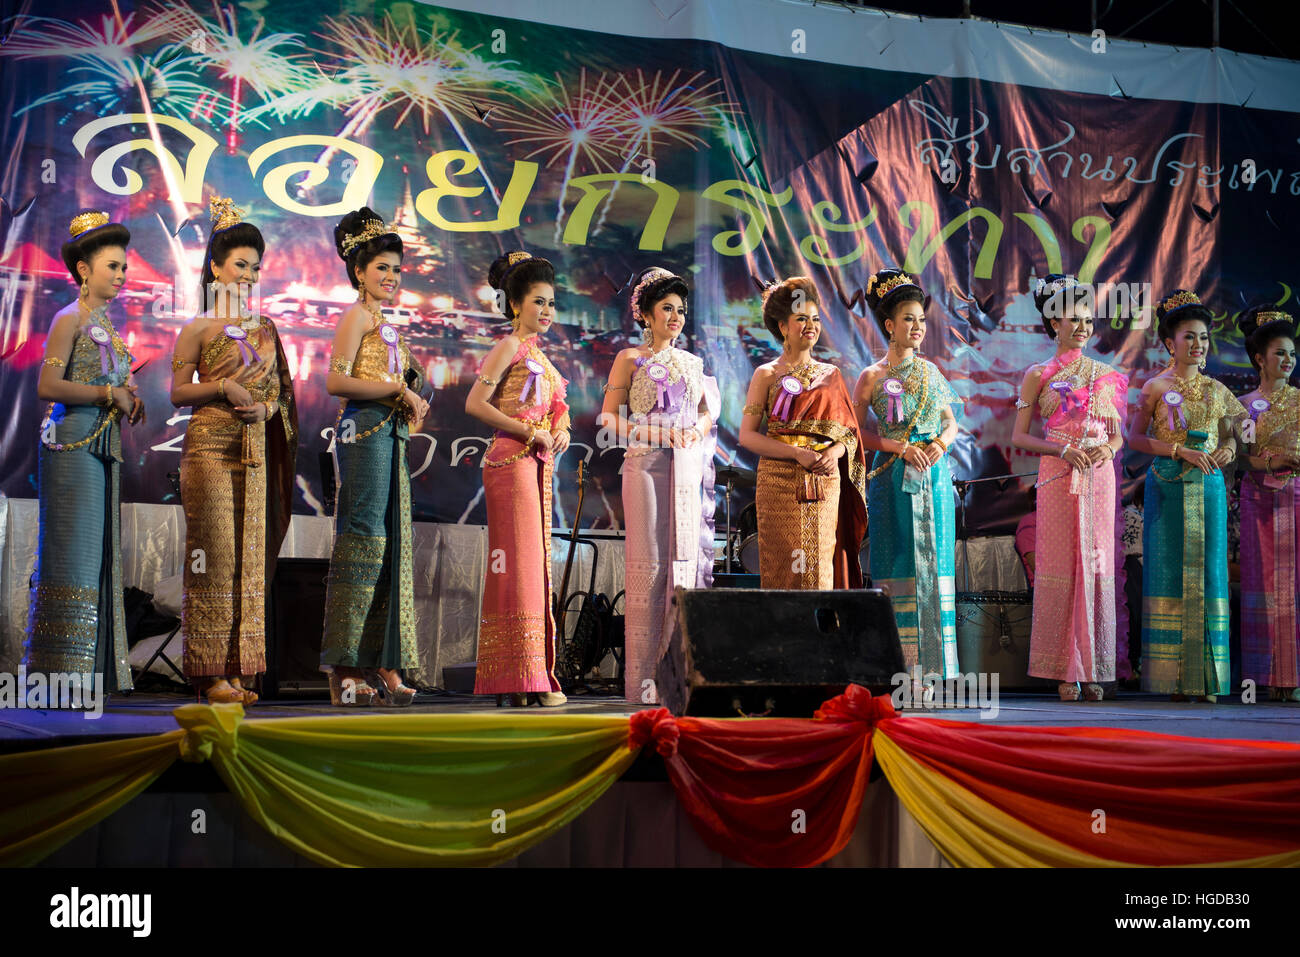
x=208, y=727
x=856, y=704
x=658, y=725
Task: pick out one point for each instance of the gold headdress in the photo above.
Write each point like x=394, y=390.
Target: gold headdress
x=85, y=222
x=884, y=287
x=513, y=259
x=1178, y=300
x=1262, y=318
x=373, y=229
x=224, y=213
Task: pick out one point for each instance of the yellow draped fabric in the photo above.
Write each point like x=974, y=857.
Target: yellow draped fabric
x=971, y=832
x=49, y=797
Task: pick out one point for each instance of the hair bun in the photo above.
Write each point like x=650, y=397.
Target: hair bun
x=350, y=225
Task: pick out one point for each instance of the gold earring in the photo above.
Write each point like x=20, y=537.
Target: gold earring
x=85, y=289
x=1203, y=361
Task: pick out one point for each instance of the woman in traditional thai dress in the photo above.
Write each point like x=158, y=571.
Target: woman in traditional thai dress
x=811, y=495
x=913, y=523
x=75, y=618
x=1270, y=509
x=662, y=407
x=521, y=395
x=1082, y=404
x=237, y=464
x=369, y=594
x=1191, y=418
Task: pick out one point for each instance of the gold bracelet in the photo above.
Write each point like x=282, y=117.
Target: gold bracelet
x=221, y=388
x=940, y=442
x=108, y=395
x=1173, y=453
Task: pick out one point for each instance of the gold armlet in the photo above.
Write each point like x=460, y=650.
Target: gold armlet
x=54, y=361
x=340, y=365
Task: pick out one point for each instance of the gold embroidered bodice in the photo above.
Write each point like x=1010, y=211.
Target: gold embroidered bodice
x=545, y=401
x=371, y=360
x=84, y=364
x=222, y=358
x=1278, y=426
x=1205, y=402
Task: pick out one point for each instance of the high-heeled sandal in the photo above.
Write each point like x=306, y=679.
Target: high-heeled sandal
x=250, y=696
x=1068, y=690
x=1093, y=692
x=362, y=694
x=215, y=693
x=394, y=697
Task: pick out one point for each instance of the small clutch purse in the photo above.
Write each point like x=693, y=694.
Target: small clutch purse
x=811, y=489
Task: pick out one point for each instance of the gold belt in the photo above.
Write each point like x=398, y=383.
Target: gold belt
x=804, y=442
x=543, y=425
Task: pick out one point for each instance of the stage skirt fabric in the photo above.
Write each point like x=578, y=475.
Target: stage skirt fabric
x=75, y=619
x=236, y=480
x=913, y=558
x=665, y=514
x=1184, y=581
x=516, y=642
x=1270, y=582
x=1073, y=636
x=1083, y=402
x=369, y=593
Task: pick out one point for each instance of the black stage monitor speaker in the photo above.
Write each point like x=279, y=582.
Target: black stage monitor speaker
x=780, y=653
x=297, y=616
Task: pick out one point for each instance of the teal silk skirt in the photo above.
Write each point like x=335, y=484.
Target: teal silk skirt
x=75, y=617
x=1184, y=581
x=369, y=598
x=913, y=557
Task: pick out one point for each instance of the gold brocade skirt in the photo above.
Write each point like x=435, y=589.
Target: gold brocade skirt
x=796, y=540
x=224, y=604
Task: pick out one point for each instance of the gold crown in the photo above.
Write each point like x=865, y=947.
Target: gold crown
x=885, y=286
x=1180, y=299
x=1264, y=317
x=223, y=213
x=517, y=257
x=372, y=229
x=87, y=221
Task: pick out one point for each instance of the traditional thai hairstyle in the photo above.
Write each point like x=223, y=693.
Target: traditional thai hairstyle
x=514, y=273
x=1180, y=306
x=779, y=298
x=1058, y=294
x=229, y=231
x=91, y=231
x=360, y=237
x=887, y=290
x=1262, y=325
x=652, y=285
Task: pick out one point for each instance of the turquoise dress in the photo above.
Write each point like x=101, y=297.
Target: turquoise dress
x=913, y=521
x=75, y=617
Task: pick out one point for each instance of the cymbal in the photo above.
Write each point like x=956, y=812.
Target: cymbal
x=743, y=478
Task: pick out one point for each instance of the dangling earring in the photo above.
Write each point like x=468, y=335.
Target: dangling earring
x=647, y=337
x=1203, y=361
x=85, y=289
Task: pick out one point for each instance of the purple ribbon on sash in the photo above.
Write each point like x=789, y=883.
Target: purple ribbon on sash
x=240, y=338
x=101, y=337
x=894, y=390
x=790, y=387
x=669, y=394
x=535, y=370
x=389, y=335
x=1070, y=400
x=1174, y=402
x=1258, y=407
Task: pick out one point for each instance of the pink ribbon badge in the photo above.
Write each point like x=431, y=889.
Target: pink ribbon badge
x=535, y=370
x=1174, y=401
x=894, y=390
x=99, y=335
x=790, y=387
x=389, y=335
x=240, y=338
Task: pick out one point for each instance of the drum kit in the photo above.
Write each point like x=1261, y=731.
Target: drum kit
x=740, y=549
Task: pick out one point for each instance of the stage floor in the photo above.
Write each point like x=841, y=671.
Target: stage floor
x=141, y=714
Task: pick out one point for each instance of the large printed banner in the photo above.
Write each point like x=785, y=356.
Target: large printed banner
x=476, y=134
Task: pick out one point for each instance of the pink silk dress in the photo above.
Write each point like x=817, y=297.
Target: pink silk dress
x=516, y=643
x=1081, y=401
